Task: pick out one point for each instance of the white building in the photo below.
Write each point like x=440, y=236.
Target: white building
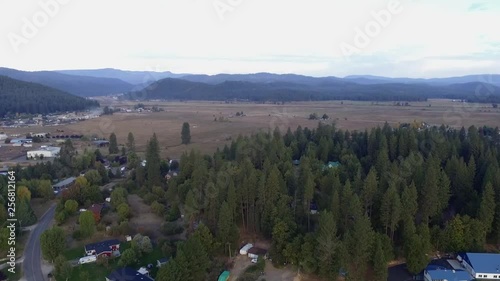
x=483, y=266
x=47, y=152
x=3, y=136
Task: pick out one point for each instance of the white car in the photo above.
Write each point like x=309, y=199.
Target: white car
x=254, y=260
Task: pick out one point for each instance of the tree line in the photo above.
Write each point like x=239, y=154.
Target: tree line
x=259, y=91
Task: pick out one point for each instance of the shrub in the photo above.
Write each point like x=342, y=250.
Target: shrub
x=173, y=213
x=77, y=235
x=172, y=228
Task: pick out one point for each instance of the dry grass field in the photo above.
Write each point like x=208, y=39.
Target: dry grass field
x=207, y=135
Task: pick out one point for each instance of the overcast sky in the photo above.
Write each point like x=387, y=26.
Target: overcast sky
x=419, y=38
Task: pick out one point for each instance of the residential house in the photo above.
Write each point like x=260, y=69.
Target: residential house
x=439, y=274
x=256, y=252
x=483, y=266
x=331, y=164
x=65, y=183
x=106, y=248
x=96, y=210
x=128, y=274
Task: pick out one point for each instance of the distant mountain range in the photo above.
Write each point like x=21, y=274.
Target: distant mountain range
x=131, y=77
x=260, y=86
x=84, y=86
x=311, y=89
x=493, y=79
x=31, y=98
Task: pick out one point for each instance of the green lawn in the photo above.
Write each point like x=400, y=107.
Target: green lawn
x=74, y=253
x=93, y=271
x=99, y=272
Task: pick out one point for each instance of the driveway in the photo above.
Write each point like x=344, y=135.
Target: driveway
x=399, y=273
x=32, y=267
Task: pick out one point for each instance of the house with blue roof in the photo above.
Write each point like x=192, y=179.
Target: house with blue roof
x=483, y=266
x=435, y=274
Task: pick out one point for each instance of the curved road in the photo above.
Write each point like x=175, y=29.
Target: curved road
x=32, y=267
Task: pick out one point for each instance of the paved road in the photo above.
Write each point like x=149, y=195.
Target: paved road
x=32, y=267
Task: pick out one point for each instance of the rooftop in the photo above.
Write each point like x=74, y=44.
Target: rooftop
x=102, y=246
x=65, y=182
x=449, y=275
x=100, y=142
x=483, y=262
x=96, y=208
x=129, y=274
x=257, y=251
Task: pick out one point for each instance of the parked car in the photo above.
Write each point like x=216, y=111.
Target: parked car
x=254, y=260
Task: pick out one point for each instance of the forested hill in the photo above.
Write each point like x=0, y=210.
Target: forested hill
x=84, y=86
x=305, y=89
x=32, y=98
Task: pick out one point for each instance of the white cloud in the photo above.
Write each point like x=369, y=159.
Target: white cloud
x=257, y=35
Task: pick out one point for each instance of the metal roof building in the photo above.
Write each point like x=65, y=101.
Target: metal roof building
x=484, y=266
x=64, y=183
x=446, y=274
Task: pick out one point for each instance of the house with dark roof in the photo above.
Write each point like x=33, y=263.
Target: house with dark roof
x=483, y=266
x=106, y=248
x=127, y=274
x=256, y=252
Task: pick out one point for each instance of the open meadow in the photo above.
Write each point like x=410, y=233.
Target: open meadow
x=207, y=134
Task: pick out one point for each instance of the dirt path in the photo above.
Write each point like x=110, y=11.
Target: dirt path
x=143, y=219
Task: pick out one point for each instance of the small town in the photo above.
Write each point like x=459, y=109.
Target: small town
x=232, y=140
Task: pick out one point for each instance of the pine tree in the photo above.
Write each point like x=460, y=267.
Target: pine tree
x=186, y=133
x=130, y=142
x=487, y=208
x=327, y=246
x=390, y=210
x=409, y=202
x=359, y=243
x=443, y=192
x=429, y=192
x=226, y=229
x=379, y=262
x=416, y=259
x=369, y=190
x=113, y=144
x=153, y=162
